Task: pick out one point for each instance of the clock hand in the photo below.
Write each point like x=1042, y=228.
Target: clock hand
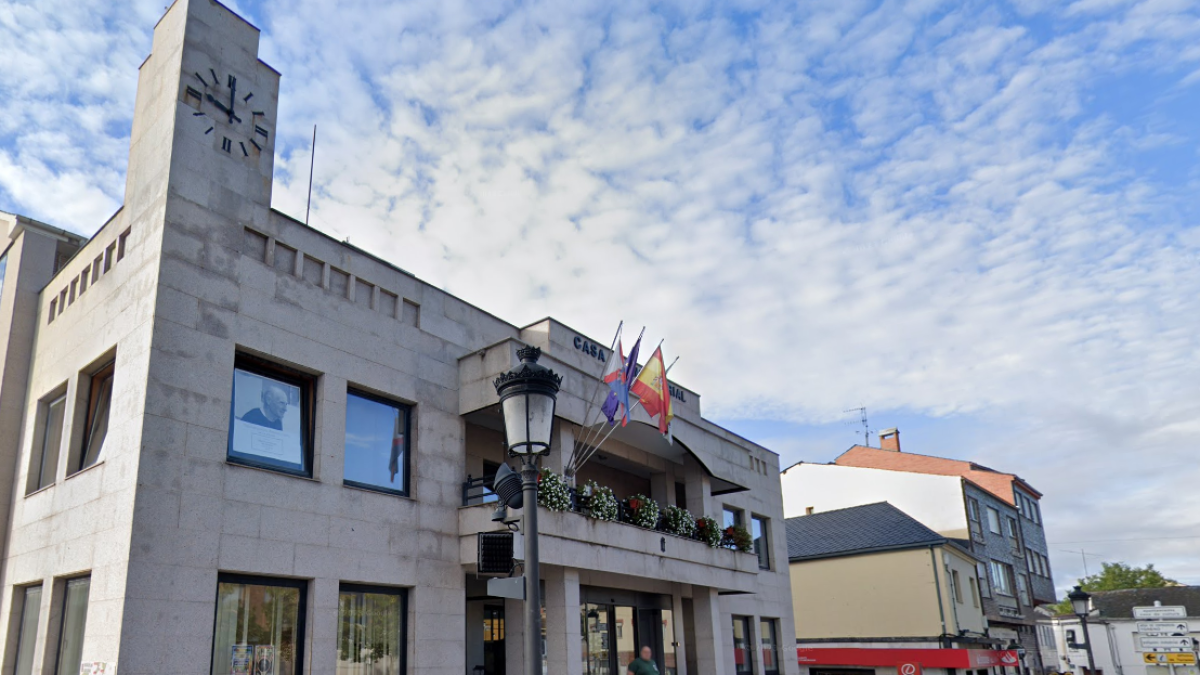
x=232, y=93
x=217, y=103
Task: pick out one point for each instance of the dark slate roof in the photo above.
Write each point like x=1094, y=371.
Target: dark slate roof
x=1120, y=604
x=856, y=530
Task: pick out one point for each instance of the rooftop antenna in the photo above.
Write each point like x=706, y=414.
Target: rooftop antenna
x=866, y=432
x=312, y=160
x=1083, y=556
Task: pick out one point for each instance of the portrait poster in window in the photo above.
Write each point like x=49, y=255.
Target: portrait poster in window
x=266, y=420
x=264, y=660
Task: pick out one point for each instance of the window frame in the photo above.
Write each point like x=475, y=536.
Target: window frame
x=62, y=623
x=94, y=382
x=739, y=516
x=21, y=600
x=257, y=580
x=973, y=509
x=765, y=552
x=408, y=410
x=306, y=382
x=956, y=587
x=994, y=524
x=400, y=591
x=748, y=637
x=773, y=626
x=1002, y=572
x=43, y=458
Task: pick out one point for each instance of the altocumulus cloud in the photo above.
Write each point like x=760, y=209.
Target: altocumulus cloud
x=976, y=211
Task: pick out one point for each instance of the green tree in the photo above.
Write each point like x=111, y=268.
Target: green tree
x=1116, y=577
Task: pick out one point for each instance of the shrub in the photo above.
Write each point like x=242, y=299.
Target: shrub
x=552, y=491
x=708, y=531
x=679, y=521
x=739, y=538
x=602, y=503
x=643, y=511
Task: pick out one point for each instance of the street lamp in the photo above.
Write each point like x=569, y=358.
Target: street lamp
x=528, y=394
x=1081, y=604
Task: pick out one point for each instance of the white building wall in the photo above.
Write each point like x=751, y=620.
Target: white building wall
x=936, y=501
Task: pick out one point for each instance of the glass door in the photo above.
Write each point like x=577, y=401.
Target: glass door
x=597, y=654
x=493, y=640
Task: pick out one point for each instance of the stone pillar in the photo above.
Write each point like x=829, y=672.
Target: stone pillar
x=563, y=639
x=680, y=634
x=710, y=648
x=662, y=489
x=514, y=636
x=698, y=486
x=561, y=447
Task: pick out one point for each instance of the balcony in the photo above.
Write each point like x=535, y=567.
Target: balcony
x=572, y=538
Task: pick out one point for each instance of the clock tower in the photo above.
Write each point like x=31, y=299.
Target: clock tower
x=203, y=139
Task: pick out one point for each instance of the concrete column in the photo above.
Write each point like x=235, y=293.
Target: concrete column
x=662, y=489
x=680, y=634
x=563, y=640
x=712, y=656
x=698, y=486
x=514, y=636
x=561, y=447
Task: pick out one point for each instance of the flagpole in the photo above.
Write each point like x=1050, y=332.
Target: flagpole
x=590, y=423
x=596, y=448
x=599, y=383
x=592, y=436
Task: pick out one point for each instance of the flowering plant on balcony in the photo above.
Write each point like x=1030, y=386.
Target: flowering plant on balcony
x=679, y=521
x=601, y=502
x=708, y=531
x=737, y=537
x=552, y=491
x=643, y=511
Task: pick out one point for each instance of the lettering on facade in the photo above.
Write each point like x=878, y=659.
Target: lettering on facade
x=591, y=349
x=677, y=393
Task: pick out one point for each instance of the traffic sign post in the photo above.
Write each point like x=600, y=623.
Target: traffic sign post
x=1162, y=628
x=1169, y=659
x=1165, y=644
x=1158, y=613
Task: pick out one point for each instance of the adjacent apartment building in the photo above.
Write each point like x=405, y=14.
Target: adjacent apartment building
x=878, y=593
x=231, y=444
x=996, y=512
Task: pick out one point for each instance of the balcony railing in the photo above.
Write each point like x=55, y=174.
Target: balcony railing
x=476, y=491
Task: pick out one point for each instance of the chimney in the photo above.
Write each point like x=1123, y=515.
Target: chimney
x=889, y=439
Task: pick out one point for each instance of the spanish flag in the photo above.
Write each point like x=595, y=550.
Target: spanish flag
x=651, y=387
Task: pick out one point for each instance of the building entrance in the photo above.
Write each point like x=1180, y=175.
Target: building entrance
x=614, y=634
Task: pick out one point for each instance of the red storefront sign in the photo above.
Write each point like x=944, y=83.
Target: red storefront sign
x=892, y=658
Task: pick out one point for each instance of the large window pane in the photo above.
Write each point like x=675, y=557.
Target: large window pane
x=377, y=448
x=270, y=418
x=761, y=547
x=370, y=631
x=770, y=655
x=732, y=517
x=47, y=461
x=259, y=626
x=31, y=609
x=743, y=659
x=99, y=405
x=74, y=624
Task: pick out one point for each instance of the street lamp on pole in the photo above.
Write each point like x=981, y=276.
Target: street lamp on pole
x=1081, y=604
x=528, y=395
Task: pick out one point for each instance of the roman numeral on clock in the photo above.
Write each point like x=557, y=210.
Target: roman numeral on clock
x=226, y=144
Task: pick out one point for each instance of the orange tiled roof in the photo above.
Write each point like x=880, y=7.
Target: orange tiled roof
x=998, y=483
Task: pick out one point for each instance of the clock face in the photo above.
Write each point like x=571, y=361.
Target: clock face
x=230, y=111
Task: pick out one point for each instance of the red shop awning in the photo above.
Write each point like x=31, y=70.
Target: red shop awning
x=928, y=658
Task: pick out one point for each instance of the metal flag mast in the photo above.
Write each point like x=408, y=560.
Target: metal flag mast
x=596, y=448
x=595, y=427
x=599, y=388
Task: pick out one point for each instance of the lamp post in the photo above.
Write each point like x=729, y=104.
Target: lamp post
x=528, y=394
x=1081, y=604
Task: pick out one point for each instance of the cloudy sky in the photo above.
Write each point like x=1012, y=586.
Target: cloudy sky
x=977, y=219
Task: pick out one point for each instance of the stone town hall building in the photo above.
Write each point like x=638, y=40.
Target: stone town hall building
x=198, y=407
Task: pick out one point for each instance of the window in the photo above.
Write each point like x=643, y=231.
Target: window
x=981, y=573
x=74, y=623
x=1001, y=578
x=973, y=509
x=44, y=462
x=377, y=433
x=99, y=404
x=259, y=626
x=3, y=267
x=30, y=603
x=770, y=647
x=371, y=630
x=1023, y=590
x=762, y=547
x=743, y=658
x=993, y=520
x=974, y=592
x=732, y=516
x=956, y=586
x=271, y=417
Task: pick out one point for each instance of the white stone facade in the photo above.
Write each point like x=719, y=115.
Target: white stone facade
x=195, y=270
